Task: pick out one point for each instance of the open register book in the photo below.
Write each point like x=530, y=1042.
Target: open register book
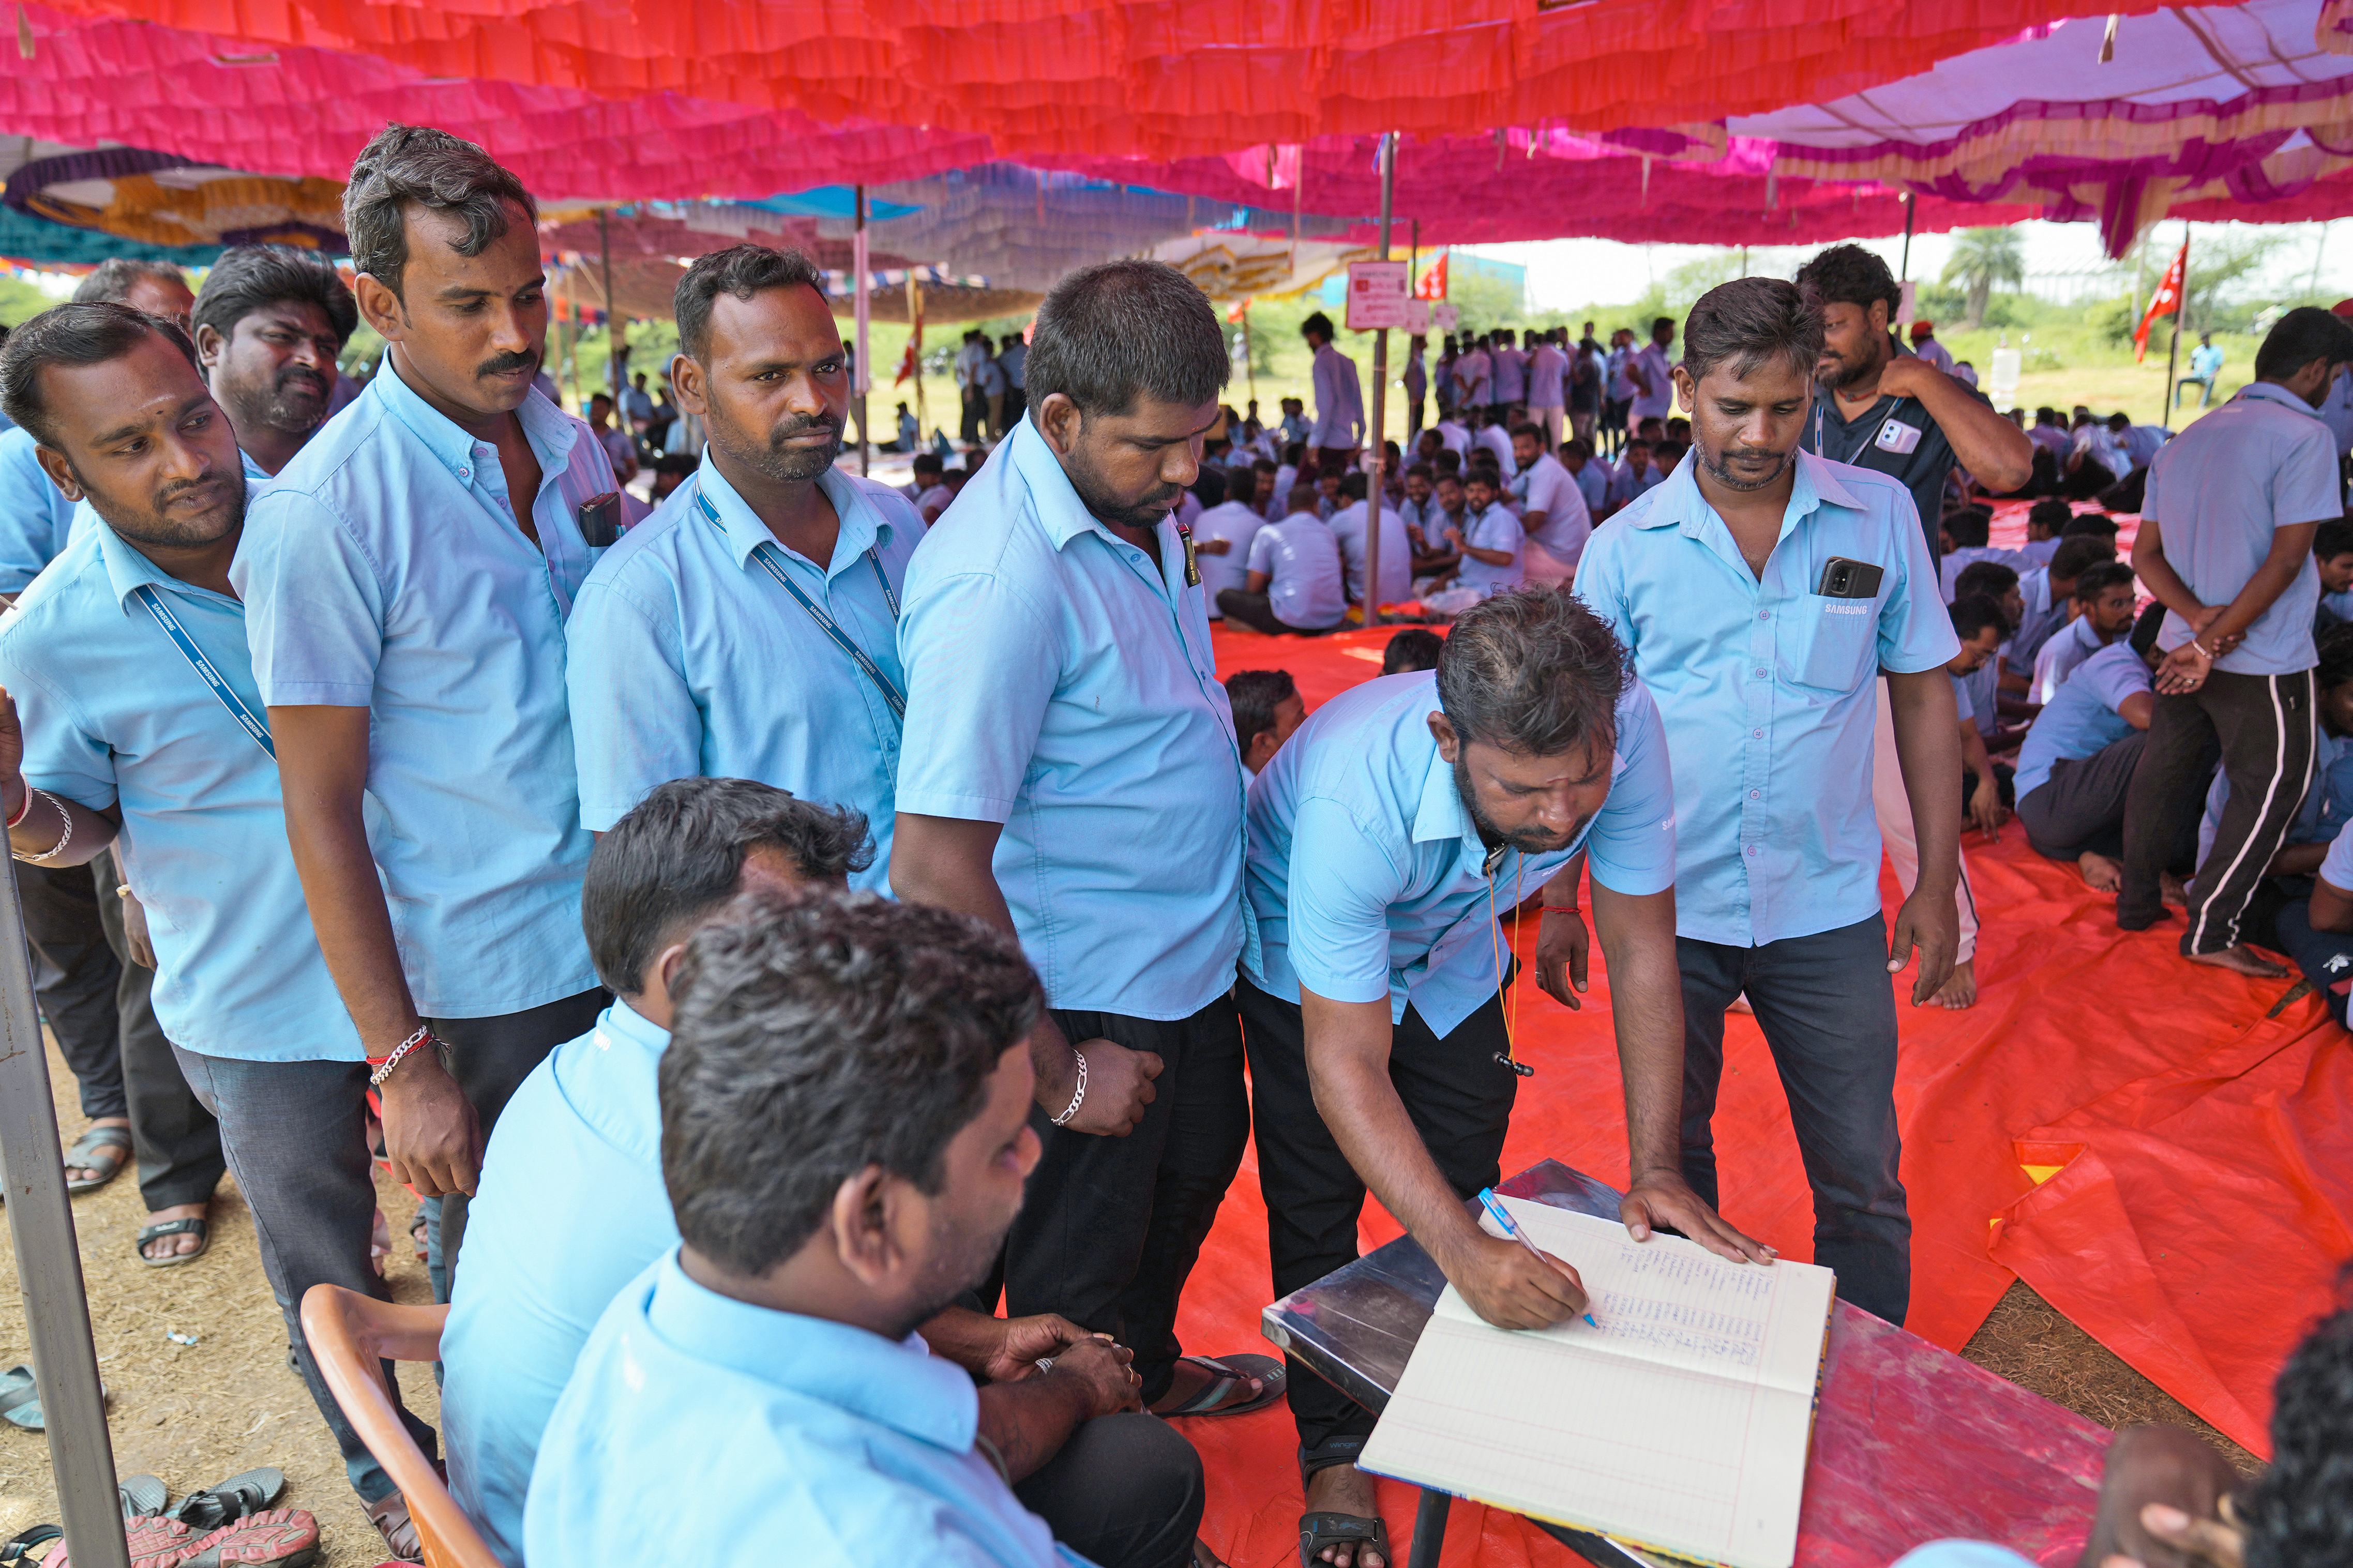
x=1678, y=1420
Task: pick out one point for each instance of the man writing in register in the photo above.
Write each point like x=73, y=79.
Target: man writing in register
x=1384, y=840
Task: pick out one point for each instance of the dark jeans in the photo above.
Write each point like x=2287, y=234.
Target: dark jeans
x=295, y=1134
x=490, y=1057
x=95, y=1002
x=1459, y=1099
x=976, y=413
x=1256, y=611
x=1125, y=1492
x=2080, y=809
x=2263, y=727
x=1828, y=1011
x=1110, y=1227
x=1613, y=429
x=2324, y=956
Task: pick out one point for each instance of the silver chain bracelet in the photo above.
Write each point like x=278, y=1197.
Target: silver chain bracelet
x=1079, y=1097
x=59, y=849
x=399, y=1053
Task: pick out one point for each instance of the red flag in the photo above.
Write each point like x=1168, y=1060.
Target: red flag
x=1431, y=284
x=2164, y=302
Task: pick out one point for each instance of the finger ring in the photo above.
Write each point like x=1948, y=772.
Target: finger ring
x=123, y=892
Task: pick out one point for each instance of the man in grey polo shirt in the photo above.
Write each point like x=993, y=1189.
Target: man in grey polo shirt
x=2225, y=543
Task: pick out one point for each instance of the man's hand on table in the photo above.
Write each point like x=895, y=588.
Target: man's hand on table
x=1663, y=1199
x=1510, y=1287
x=1021, y=1343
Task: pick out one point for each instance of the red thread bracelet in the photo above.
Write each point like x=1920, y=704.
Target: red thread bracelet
x=1563, y=909
x=23, y=811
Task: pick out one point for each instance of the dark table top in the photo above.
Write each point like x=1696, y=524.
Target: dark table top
x=1911, y=1443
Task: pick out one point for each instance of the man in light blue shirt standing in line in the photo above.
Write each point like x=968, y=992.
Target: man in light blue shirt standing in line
x=768, y=562
x=1761, y=591
x=406, y=587
x=128, y=743
x=1070, y=773
x=1339, y=399
x=1386, y=837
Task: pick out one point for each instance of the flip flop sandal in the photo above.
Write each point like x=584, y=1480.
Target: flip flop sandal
x=106, y=1148
x=1227, y=1375
x=20, y=1399
x=18, y=1549
x=143, y=1497
x=200, y=1229
x=1319, y=1530
x=225, y=1502
x=282, y=1537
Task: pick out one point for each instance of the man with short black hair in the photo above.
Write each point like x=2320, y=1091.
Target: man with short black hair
x=1298, y=584
x=1405, y=813
x=2045, y=593
x=1552, y=508
x=406, y=579
x=269, y=325
x=1072, y=774
x=1266, y=709
x=2225, y=543
x=1339, y=399
x=1223, y=535
x=1351, y=524
x=844, y=1142
x=769, y=559
x=2332, y=555
x=2102, y=609
x=1414, y=648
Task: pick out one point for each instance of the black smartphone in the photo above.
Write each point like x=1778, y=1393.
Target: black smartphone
x=600, y=520
x=1845, y=579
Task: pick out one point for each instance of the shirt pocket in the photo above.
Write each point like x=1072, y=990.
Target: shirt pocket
x=1836, y=646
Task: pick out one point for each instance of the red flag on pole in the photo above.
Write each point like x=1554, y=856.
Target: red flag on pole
x=2164, y=302
x=1431, y=284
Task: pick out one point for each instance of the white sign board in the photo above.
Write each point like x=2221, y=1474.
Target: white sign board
x=1445, y=317
x=1378, y=294
x=1417, y=317
x=2007, y=364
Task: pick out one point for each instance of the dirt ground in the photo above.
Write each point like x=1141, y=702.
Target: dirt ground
x=200, y=1413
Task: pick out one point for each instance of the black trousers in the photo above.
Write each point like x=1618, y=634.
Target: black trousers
x=1828, y=1016
x=95, y=1002
x=1125, y=1492
x=2080, y=809
x=2263, y=726
x=490, y=1057
x=1110, y=1227
x=1256, y=611
x=1460, y=1098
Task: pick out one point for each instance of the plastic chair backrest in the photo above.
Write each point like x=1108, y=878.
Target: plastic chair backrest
x=350, y=1335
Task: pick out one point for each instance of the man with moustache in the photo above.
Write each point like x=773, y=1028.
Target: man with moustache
x=406, y=584
x=766, y=560
x=268, y=324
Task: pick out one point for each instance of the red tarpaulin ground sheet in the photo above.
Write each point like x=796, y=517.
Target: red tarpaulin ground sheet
x=2194, y=1229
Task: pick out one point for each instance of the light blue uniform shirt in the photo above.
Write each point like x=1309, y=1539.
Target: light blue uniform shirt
x=2261, y=462
x=1366, y=873
x=383, y=570
x=1061, y=682
x=1396, y=550
x=2337, y=867
x=688, y=660
x=36, y=518
x=573, y=1202
x=114, y=714
x=1301, y=557
x=2327, y=804
x=2081, y=719
x=1494, y=529
x=1593, y=484
x=781, y=1439
x=1766, y=688
x=2043, y=617
x=1961, y=1554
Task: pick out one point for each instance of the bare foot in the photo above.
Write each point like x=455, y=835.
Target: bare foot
x=178, y=1246
x=2173, y=890
x=1190, y=1378
x=1343, y=1489
x=2241, y=960
x=2101, y=874
x=1960, y=987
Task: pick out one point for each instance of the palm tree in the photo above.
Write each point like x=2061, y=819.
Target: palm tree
x=1981, y=259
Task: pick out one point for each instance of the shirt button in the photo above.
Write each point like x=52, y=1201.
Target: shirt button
x=1764, y=615
x=1756, y=794
x=1752, y=849
x=1757, y=734
x=1760, y=675
x=465, y=473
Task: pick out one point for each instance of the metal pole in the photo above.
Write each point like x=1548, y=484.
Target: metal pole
x=1250, y=369
x=1904, y=273
x=863, y=382
x=48, y=1264
x=915, y=330
x=1380, y=402
x=2180, y=309
x=612, y=315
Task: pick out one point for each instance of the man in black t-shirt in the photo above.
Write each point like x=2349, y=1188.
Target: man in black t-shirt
x=1880, y=407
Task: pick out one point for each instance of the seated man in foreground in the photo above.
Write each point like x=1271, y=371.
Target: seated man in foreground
x=1384, y=840
x=571, y=1198
x=845, y=1139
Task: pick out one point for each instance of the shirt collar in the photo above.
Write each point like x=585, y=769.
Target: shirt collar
x=548, y=428
x=2271, y=392
x=629, y=1024
x=1060, y=510
x=902, y=1386
x=127, y=571
x=863, y=527
x=253, y=471
x=1677, y=500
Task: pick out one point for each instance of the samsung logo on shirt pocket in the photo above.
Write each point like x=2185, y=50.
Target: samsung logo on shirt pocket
x=1849, y=606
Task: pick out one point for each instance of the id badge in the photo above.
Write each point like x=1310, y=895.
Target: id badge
x=1898, y=438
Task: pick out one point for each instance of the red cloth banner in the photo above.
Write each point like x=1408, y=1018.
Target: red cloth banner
x=2164, y=302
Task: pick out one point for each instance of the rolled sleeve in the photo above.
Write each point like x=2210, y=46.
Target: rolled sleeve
x=1631, y=847
x=2115, y=679
x=981, y=670
x=314, y=605
x=635, y=721
x=1915, y=630
x=1343, y=882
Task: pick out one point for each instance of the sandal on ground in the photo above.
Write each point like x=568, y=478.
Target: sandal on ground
x=389, y=1514
x=1228, y=1377
x=225, y=1502
x=199, y=1228
x=280, y=1538
x=19, y=1548
x=20, y=1399
x=1320, y=1530
x=143, y=1497
x=102, y=1149
x=154, y=1544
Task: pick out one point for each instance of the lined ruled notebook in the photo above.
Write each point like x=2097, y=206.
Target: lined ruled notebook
x=1680, y=1422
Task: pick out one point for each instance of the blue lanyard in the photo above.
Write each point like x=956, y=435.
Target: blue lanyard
x=765, y=553
x=230, y=699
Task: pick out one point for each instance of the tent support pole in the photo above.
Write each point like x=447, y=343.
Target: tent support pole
x=48, y=1263
x=863, y=381
x=1903, y=273
x=1375, y=477
x=612, y=315
x=1249, y=367
x=2180, y=309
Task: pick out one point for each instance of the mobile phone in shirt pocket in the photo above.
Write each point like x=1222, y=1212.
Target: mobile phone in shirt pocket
x=1838, y=645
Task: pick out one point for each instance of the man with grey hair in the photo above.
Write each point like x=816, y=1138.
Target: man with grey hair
x=1384, y=840
x=767, y=560
x=1760, y=591
x=406, y=580
x=157, y=287
x=1070, y=773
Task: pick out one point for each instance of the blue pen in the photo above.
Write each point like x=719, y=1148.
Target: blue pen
x=1494, y=1206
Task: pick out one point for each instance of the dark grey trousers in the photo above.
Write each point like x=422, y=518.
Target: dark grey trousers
x=2081, y=809
x=295, y=1135
x=1126, y=1491
x=1827, y=1010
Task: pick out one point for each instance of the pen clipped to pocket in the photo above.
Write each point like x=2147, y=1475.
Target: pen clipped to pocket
x=600, y=520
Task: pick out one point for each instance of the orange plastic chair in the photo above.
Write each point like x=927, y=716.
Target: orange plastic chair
x=349, y=1335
